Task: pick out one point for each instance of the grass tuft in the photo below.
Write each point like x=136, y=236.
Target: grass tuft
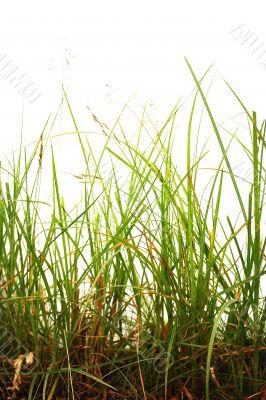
x=148, y=288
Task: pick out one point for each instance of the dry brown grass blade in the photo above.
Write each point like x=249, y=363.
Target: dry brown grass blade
x=17, y=364
x=10, y=280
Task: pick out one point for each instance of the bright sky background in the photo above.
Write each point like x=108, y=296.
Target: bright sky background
x=104, y=50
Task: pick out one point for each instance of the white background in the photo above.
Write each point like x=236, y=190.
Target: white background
x=130, y=45
x=104, y=51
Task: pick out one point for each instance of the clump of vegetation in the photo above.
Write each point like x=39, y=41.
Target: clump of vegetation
x=144, y=290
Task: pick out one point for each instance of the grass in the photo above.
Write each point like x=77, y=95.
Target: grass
x=146, y=288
